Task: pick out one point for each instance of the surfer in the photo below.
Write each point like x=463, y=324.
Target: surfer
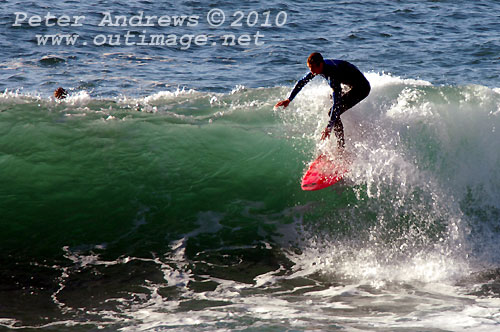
x=60, y=93
x=336, y=72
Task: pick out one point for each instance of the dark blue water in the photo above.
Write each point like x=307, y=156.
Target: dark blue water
x=444, y=42
x=164, y=192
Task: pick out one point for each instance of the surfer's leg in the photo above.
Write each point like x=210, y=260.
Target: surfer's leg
x=354, y=96
x=349, y=99
x=338, y=129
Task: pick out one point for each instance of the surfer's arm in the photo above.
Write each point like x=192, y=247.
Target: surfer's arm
x=300, y=84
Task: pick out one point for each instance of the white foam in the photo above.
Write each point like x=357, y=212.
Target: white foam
x=168, y=95
x=407, y=106
x=79, y=98
x=384, y=79
x=17, y=96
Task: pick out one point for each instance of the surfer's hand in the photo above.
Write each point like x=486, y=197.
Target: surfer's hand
x=326, y=133
x=283, y=103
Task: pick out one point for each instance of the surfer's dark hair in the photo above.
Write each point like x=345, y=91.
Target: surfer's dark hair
x=315, y=59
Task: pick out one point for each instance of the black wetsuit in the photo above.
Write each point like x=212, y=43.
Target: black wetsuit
x=337, y=72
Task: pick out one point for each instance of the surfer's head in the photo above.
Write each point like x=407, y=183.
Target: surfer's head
x=315, y=63
x=60, y=93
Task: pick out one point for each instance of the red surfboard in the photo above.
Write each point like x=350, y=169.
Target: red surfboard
x=323, y=172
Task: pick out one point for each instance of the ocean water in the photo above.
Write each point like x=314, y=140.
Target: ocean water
x=163, y=194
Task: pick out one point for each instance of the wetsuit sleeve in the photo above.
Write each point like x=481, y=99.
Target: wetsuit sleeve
x=336, y=107
x=300, y=84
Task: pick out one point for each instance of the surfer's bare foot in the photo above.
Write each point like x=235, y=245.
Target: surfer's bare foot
x=326, y=133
